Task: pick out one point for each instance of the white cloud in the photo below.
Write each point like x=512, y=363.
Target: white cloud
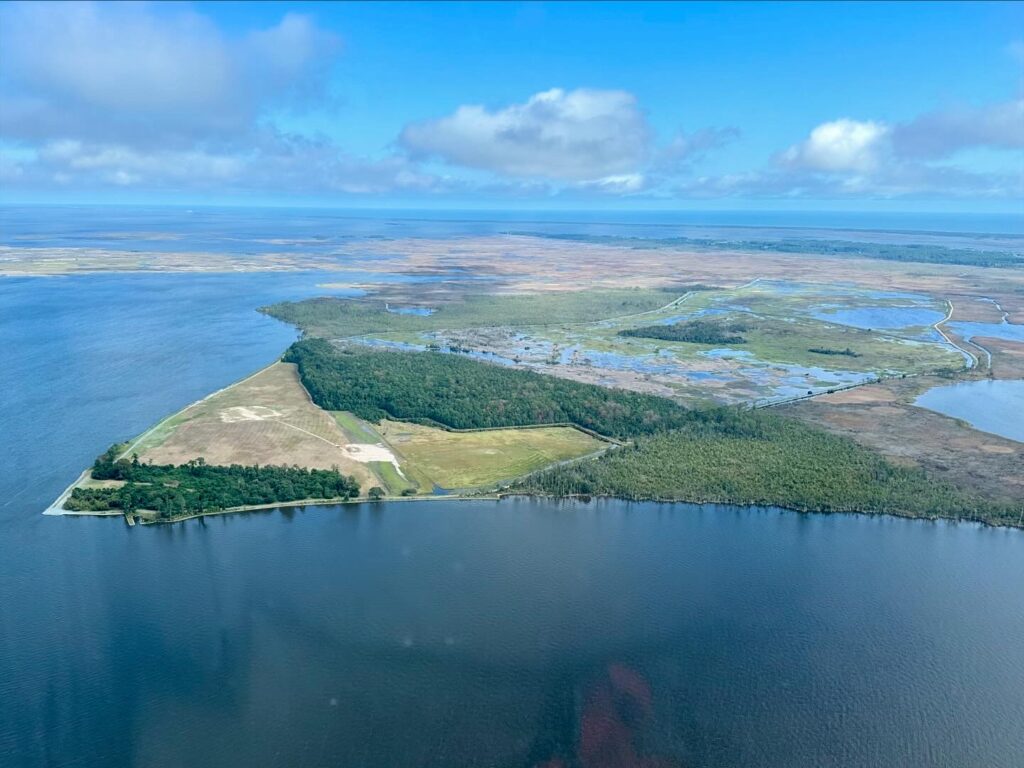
x=157, y=96
x=840, y=145
x=891, y=180
x=284, y=164
x=146, y=75
x=848, y=158
x=866, y=151
x=577, y=135
x=126, y=166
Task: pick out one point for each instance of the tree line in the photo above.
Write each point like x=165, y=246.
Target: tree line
x=728, y=455
x=773, y=461
x=919, y=252
x=693, y=331
x=830, y=351
x=197, y=487
x=464, y=393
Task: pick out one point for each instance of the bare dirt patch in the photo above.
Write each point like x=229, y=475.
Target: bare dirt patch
x=266, y=419
x=866, y=394
x=248, y=413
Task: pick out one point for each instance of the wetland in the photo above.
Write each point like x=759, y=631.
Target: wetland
x=762, y=637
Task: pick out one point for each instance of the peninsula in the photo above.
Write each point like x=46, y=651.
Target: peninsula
x=646, y=393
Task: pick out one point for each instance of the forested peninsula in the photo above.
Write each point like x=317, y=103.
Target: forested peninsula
x=734, y=455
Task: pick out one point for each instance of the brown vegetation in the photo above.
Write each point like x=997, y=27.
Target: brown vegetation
x=266, y=419
x=881, y=417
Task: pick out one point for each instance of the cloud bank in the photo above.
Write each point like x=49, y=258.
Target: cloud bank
x=575, y=135
x=149, y=76
x=158, y=97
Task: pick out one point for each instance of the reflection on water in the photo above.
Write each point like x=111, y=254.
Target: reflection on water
x=616, y=710
x=447, y=633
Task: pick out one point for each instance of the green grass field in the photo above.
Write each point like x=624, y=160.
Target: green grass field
x=355, y=429
x=455, y=460
x=782, y=330
x=336, y=317
x=782, y=319
x=394, y=483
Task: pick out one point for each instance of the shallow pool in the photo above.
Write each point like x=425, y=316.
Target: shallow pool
x=881, y=317
x=1008, y=331
x=991, y=406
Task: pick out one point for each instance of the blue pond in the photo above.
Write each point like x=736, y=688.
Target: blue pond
x=420, y=311
x=1008, y=331
x=991, y=406
x=881, y=317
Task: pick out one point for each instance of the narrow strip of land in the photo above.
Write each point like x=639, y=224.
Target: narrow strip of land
x=937, y=326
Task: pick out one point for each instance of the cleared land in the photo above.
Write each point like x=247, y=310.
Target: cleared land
x=488, y=457
x=265, y=419
x=268, y=419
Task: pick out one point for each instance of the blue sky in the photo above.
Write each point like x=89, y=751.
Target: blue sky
x=543, y=105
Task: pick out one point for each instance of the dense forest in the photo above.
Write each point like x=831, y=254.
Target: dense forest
x=772, y=461
x=719, y=454
x=829, y=351
x=464, y=393
x=693, y=331
x=196, y=487
x=929, y=254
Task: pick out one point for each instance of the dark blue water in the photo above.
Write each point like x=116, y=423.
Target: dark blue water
x=444, y=633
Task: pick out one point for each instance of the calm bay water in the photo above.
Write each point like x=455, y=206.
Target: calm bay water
x=449, y=633
x=991, y=406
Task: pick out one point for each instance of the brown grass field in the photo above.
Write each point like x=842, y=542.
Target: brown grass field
x=524, y=263
x=269, y=419
x=265, y=419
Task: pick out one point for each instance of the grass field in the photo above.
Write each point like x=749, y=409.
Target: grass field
x=472, y=459
x=336, y=317
x=265, y=419
x=395, y=483
x=268, y=419
x=355, y=429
